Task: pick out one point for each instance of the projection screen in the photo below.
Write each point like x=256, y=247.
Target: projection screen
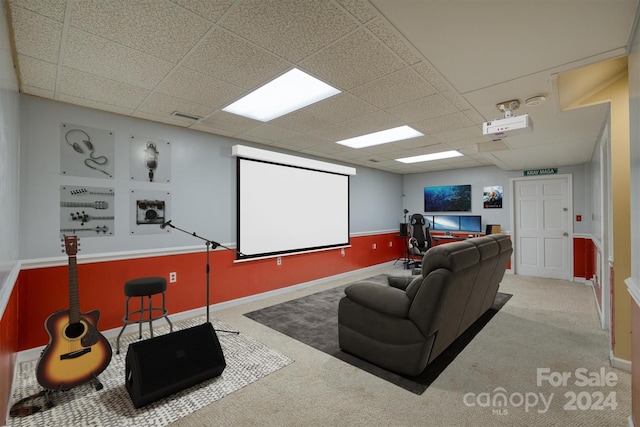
x=289, y=204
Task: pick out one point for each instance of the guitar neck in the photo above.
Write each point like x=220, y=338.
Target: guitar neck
x=74, y=299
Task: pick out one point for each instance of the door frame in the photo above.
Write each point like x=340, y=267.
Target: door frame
x=512, y=206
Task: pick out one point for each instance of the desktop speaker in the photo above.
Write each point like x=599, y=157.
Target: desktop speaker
x=163, y=365
x=403, y=229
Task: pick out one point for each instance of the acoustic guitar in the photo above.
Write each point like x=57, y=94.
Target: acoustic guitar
x=77, y=352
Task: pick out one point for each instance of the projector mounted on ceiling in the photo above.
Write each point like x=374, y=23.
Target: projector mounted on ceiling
x=510, y=124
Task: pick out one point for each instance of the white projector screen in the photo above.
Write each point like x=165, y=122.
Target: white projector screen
x=283, y=208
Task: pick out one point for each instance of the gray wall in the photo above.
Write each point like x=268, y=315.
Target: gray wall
x=413, y=190
x=9, y=161
x=202, y=187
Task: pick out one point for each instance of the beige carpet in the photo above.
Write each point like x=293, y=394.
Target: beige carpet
x=547, y=324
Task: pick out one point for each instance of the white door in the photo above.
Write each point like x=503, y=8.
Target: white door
x=541, y=210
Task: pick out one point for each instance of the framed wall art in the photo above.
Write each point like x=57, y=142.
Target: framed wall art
x=447, y=198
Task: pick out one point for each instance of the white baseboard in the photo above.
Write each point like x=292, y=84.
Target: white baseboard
x=618, y=363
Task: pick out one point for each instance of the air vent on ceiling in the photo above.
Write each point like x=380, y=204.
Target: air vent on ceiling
x=374, y=161
x=185, y=115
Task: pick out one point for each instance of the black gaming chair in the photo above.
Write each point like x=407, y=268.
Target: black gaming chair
x=420, y=240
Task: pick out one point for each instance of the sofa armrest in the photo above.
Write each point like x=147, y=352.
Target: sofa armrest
x=380, y=298
x=401, y=281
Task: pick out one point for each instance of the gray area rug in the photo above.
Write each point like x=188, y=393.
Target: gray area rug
x=313, y=320
x=247, y=361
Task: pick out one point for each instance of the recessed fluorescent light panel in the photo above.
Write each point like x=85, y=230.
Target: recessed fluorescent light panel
x=429, y=157
x=382, y=137
x=291, y=91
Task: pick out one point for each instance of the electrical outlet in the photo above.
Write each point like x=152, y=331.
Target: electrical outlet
x=390, y=244
x=279, y=260
x=375, y=246
x=173, y=277
x=342, y=251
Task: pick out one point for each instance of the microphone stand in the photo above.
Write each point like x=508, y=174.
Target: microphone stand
x=209, y=243
x=406, y=259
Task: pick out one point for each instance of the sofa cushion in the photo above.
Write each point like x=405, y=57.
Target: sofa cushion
x=453, y=256
x=380, y=298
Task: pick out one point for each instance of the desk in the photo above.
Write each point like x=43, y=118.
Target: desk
x=441, y=239
x=446, y=239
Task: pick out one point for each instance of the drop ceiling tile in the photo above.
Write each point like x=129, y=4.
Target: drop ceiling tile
x=393, y=89
x=353, y=61
x=53, y=9
x=170, y=120
x=36, y=91
x=433, y=77
x=373, y=122
x=300, y=142
x=435, y=148
x=334, y=132
x=457, y=135
x=292, y=29
x=211, y=10
x=442, y=123
x=39, y=37
x=323, y=149
x=96, y=105
x=192, y=86
x=37, y=73
x=474, y=116
x=231, y=59
x=419, y=142
x=159, y=28
x=301, y=121
x=383, y=148
x=359, y=9
x=231, y=123
x=456, y=99
x=340, y=107
x=422, y=109
x=95, y=55
x=163, y=105
x=388, y=36
x=214, y=131
x=351, y=154
x=270, y=132
x=77, y=84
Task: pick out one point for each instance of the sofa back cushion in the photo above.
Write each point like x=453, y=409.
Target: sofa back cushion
x=489, y=252
x=439, y=299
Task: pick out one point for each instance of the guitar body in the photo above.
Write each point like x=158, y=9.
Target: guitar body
x=77, y=352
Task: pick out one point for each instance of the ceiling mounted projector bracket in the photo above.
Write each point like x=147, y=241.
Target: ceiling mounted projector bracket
x=508, y=106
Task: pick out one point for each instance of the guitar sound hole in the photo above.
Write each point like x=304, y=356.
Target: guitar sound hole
x=74, y=330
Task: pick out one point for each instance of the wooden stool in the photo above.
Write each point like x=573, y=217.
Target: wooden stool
x=144, y=287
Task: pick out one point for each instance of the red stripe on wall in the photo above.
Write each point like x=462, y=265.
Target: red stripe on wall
x=8, y=348
x=43, y=291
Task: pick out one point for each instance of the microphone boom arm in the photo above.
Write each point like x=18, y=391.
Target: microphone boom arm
x=210, y=244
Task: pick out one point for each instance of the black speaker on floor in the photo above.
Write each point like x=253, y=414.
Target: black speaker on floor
x=163, y=365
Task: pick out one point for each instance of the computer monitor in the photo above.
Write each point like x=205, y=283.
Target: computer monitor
x=428, y=220
x=446, y=222
x=471, y=223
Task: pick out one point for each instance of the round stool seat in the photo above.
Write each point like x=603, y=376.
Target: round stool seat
x=145, y=286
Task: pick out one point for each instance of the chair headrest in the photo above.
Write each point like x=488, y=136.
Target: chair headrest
x=417, y=219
